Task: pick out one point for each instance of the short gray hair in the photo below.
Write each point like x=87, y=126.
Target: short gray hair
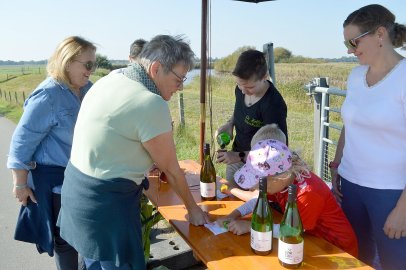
x=169, y=51
x=268, y=132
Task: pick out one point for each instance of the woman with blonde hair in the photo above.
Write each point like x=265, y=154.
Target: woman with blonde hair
x=41, y=147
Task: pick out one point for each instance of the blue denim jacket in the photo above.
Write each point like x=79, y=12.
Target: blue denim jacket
x=44, y=133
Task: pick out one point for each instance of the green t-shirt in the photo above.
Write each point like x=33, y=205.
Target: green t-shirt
x=117, y=115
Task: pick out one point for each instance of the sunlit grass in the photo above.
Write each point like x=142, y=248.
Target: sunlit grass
x=10, y=111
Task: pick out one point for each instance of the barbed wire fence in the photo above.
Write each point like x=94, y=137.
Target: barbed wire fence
x=12, y=97
x=8, y=73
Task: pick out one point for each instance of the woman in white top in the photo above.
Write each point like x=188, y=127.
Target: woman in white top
x=371, y=153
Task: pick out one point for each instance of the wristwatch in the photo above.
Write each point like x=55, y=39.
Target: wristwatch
x=242, y=156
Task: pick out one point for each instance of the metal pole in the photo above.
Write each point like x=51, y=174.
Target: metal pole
x=268, y=50
x=318, y=120
x=203, y=67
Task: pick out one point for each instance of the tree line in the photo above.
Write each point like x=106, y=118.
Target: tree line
x=225, y=64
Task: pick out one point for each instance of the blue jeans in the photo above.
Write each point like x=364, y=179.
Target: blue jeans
x=104, y=265
x=367, y=210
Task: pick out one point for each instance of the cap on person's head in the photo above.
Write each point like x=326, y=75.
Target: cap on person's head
x=266, y=158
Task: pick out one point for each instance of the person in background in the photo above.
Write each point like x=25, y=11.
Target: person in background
x=135, y=50
x=41, y=145
x=123, y=127
x=371, y=152
x=320, y=213
x=257, y=103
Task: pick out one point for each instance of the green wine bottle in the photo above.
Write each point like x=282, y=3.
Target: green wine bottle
x=207, y=176
x=223, y=139
x=290, y=246
x=262, y=222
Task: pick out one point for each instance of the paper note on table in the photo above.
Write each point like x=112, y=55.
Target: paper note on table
x=215, y=228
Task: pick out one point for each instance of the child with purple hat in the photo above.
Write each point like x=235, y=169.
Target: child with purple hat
x=320, y=213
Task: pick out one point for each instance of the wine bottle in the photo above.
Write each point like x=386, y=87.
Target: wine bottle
x=223, y=139
x=290, y=246
x=262, y=222
x=207, y=176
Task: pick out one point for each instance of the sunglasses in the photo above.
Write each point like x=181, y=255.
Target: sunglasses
x=183, y=79
x=352, y=43
x=89, y=65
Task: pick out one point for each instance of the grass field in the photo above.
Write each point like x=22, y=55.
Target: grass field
x=290, y=81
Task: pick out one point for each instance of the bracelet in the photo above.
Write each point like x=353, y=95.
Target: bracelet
x=242, y=155
x=333, y=165
x=17, y=186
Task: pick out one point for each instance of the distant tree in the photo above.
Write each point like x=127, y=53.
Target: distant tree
x=227, y=63
x=281, y=54
x=301, y=59
x=103, y=62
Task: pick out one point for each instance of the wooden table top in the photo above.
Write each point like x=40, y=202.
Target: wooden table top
x=230, y=251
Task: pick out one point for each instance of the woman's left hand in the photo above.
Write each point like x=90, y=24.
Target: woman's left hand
x=197, y=216
x=395, y=225
x=23, y=194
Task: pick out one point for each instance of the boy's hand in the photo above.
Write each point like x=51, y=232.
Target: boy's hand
x=239, y=227
x=227, y=127
x=223, y=221
x=227, y=157
x=225, y=189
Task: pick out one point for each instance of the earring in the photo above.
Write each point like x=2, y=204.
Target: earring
x=380, y=43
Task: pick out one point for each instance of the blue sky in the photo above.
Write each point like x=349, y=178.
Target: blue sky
x=312, y=28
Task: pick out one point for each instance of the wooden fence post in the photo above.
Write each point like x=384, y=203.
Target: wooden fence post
x=23, y=97
x=9, y=96
x=15, y=95
x=181, y=110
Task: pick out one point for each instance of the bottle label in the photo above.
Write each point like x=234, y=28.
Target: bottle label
x=290, y=253
x=261, y=241
x=207, y=190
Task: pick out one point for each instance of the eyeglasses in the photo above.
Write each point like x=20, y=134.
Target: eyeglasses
x=182, y=79
x=89, y=65
x=352, y=43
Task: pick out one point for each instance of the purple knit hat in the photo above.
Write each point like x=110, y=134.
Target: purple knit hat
x=266, y=158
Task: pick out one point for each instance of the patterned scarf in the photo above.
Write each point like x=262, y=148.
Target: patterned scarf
x=137, y=73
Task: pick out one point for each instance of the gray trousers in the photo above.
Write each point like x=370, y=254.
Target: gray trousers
x=66, y=257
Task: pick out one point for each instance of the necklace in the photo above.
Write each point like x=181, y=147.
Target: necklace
x=253, y=98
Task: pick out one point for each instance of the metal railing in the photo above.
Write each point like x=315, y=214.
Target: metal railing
x=325, y=141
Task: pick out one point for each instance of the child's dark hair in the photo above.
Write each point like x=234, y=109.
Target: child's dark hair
x=251, y=64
